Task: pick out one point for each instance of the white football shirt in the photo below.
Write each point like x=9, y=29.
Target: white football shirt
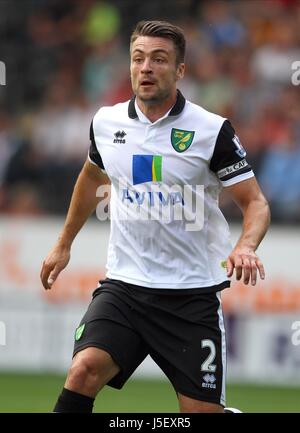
x=167, y=230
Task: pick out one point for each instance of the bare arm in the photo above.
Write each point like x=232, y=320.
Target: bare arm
x=256, y=219
x=83, y=203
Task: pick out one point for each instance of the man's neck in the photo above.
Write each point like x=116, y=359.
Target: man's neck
x=155, y=110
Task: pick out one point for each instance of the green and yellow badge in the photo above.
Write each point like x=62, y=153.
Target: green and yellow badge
x=181, y=140
x=79, y=332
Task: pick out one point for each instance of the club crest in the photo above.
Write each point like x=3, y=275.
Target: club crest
x=181, y=139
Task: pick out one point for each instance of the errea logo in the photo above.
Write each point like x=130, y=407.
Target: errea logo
x=120, y=137
x=209, y=381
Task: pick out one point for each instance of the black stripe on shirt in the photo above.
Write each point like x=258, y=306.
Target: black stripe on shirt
x=228, y=154
x=93, y=151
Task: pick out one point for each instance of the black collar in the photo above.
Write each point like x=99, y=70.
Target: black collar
x=177, y=108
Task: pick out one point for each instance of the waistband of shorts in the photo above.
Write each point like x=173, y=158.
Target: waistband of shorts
x=169, y=292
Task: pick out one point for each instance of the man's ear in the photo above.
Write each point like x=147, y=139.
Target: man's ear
x=180, y=71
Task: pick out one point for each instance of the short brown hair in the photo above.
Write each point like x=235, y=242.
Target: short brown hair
x=162, y=29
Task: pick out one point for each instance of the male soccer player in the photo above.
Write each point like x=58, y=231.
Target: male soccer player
x=165, y=270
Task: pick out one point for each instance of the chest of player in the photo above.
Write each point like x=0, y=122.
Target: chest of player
x=164, y=152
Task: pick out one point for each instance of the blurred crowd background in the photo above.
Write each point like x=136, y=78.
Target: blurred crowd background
x=66, y=58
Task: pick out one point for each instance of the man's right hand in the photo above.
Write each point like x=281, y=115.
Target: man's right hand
x=55, y=262
x=83, y=202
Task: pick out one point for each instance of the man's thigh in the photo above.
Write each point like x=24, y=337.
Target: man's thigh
x=107, y=325
x=186, y=337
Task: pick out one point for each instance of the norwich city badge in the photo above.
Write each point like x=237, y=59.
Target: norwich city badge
x=79, y=332
x=181, y=140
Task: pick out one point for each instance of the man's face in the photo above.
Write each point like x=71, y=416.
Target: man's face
x=153, y=68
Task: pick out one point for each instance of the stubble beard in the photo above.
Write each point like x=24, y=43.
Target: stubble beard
x=158, y=97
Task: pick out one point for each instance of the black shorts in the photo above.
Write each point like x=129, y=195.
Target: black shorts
x=183, y=333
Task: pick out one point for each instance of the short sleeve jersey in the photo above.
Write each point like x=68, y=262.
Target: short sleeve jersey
x=167, y=230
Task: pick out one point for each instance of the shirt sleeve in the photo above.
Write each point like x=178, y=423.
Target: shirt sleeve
x=228, y=160
x=94, y=155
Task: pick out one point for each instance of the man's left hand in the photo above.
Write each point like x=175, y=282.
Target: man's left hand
x=246, y=263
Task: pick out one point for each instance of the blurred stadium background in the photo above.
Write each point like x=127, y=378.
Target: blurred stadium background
x=63, y=60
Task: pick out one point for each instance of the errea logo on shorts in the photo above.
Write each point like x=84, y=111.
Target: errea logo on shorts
x=209, y=381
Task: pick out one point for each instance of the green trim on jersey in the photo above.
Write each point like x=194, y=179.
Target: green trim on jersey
x=156, y=168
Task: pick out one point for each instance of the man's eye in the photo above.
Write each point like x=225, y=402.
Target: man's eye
x=159, y=60
x=138, y=60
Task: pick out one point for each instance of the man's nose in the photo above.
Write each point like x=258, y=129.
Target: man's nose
x=146, y=67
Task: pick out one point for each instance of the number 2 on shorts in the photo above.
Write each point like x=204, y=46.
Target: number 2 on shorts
x=208, y=365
